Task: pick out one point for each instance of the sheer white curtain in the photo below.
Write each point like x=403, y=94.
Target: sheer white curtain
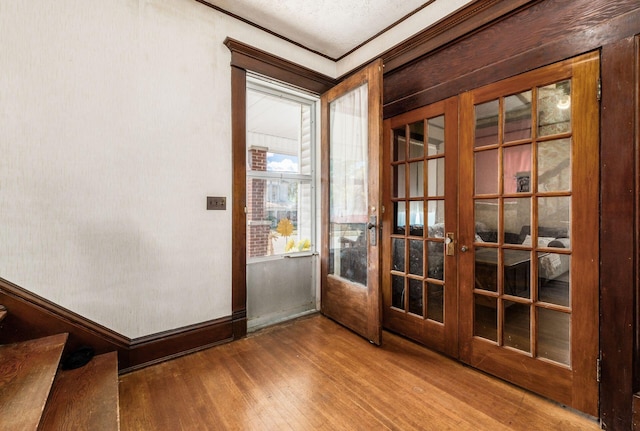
x=349, y=157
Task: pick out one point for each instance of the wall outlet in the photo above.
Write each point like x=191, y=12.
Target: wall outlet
x=216, y=203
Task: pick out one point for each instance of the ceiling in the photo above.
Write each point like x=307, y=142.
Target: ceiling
x=333, y=28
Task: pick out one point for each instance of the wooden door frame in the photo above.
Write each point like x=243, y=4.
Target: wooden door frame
x=247, y=58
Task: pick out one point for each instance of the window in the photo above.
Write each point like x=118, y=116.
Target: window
x=280, y=171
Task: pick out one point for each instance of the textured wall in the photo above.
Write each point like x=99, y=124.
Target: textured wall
x=114, y=127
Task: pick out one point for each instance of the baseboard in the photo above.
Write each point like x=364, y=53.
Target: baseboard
x=636, y=412
x=31, y=316
x=156, y=348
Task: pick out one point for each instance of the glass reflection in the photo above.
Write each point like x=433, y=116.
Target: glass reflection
x=399, y=184
x=416, y=179
x=416, y=214
x=435, y=168
x=416, y=257
x=517, y=279
x=435, y=218
x=486, y=268
x=485, y=322
x=486, y=172
x=348, y=158
x=486, y=130
x=553, y=278
x=553, y=216
x=416, y=146
x=397, y=291
x=400, y=217
x=554, y=332
x=435, y=260
x=516, y=168
x=397, y=245
x=415, y=297
x=399, y=144
x=517, y=119
x=435, y=302
x=517, y=220
x=554, y=165
x=517, y=326
x=486, y=220
x=554, y=108
x=435, y=132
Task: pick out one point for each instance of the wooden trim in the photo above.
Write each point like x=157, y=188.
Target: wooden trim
x=636, y=412
x=239, y=225
x=551, y=31
x=467, y=20
x=30, y=316
x=617, y=225
x=246, y=57
x=636, y=368
x=163, y=346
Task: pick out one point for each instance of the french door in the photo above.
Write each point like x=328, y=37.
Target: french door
x=508, y=234
x=351, y=139
x=420, y=225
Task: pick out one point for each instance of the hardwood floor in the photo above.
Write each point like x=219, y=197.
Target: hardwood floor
x=313, y=374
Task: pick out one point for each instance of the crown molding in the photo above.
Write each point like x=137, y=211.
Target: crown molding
x=256, y=60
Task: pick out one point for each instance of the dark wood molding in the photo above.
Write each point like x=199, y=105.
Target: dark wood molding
x=636, y=371
x=249, y=58
x=617, y=241
x=537, y=35
x=465, y=21
x=238, y=211
x=156, y=348
x=636, y=412
x=30, y=316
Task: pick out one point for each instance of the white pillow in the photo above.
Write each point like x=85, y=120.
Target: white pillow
x=543, y=241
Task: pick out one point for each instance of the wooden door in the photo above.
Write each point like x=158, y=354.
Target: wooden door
x=529, y=231
x=351, y=139
x=420, y=225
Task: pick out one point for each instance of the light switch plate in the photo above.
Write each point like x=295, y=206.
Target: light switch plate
x=216, y=203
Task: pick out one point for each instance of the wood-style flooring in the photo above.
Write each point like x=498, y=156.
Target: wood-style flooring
x=313, y=374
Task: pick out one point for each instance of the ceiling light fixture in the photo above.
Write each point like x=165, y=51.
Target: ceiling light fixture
x=564, y=102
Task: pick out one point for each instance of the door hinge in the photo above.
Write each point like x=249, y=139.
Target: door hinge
x=599, y=89
x=598, y=369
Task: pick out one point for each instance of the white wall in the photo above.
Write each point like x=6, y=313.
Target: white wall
x=114, y=127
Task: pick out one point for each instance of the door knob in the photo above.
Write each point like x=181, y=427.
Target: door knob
x=449, y=244
x=464, y=248
x=373, y=233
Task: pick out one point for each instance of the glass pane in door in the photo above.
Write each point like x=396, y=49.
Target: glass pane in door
x=348, y=158
x=521, y=286
x=418, y=189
